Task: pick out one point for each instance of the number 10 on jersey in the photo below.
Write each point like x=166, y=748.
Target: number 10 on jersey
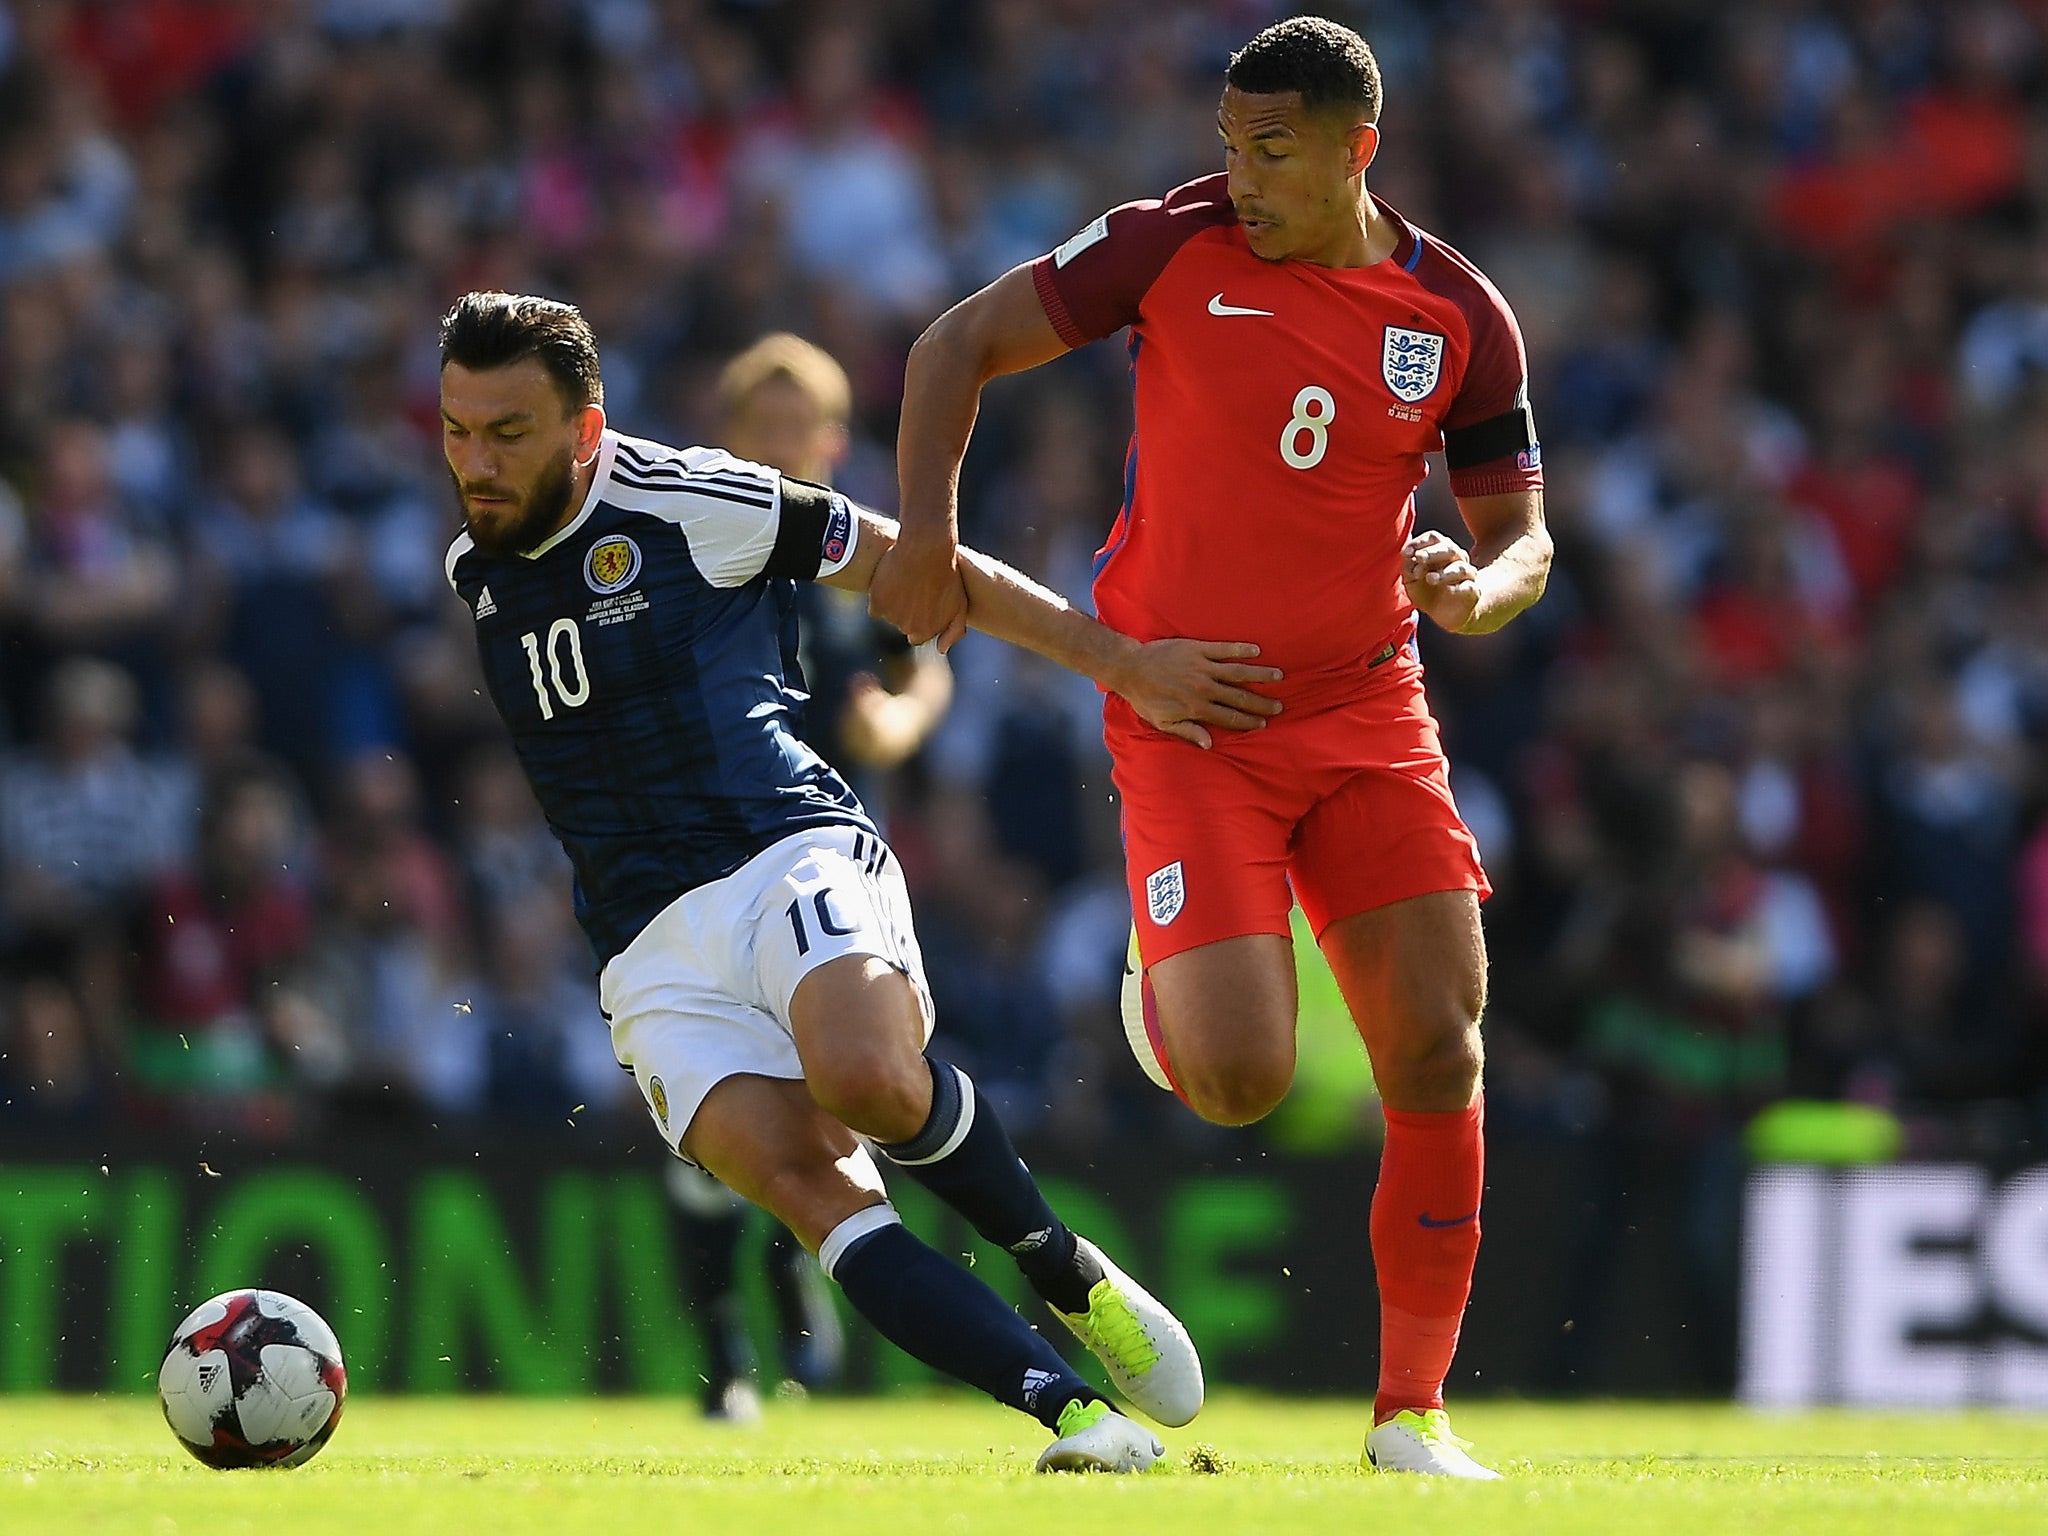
x=572, y=693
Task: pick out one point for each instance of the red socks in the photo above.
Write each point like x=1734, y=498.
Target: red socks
x=1425, y=1237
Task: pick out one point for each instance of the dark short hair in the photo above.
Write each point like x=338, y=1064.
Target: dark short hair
x=496, y=330
x=1329, y=64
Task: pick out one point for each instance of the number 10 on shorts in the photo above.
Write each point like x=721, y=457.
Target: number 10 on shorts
x=822, y=907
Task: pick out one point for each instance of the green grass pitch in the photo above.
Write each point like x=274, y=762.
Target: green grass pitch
x=940, y=1466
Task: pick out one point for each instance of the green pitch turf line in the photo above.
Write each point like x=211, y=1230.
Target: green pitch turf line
x=944, y=1466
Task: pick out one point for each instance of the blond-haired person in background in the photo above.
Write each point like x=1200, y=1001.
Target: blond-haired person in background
x=875, y=700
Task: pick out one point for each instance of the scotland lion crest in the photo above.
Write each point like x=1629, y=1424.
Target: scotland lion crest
x=611, y=564
x=1411, y=361
x=1166, y=892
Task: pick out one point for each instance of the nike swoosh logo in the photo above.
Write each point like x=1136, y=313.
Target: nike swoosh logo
x=1218, y=307
x=1424, y=1219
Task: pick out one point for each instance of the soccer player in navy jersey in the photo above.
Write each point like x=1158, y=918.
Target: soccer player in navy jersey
x=635, y=617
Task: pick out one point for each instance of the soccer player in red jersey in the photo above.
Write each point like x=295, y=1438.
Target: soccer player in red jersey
x=1297, y=347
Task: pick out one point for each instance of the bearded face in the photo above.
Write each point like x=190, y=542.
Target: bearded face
x=503, y=519
x=513, y=450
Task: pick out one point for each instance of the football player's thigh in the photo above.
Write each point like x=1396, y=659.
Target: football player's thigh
x=768, y=1140
x=1390, y=879
x=1205, y=854
x=836, y=957
x=689, y=1042
x=677, y=1025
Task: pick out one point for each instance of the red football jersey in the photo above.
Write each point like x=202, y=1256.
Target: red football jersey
x=1283, y=411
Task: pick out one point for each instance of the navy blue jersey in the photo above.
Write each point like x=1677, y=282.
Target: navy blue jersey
x=644, y=660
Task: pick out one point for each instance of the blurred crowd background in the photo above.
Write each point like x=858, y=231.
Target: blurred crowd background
x=1760, y=782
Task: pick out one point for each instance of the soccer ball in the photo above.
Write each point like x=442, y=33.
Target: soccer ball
x=253, y=1379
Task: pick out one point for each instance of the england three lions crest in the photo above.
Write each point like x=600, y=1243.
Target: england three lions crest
x=1166, y=892
x=1411, y=361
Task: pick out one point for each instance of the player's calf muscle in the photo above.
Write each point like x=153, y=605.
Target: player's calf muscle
x=811, y=1199
x=768, y=1142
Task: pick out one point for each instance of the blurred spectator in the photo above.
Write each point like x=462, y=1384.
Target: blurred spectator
x=1949, y=825
x=215, y=943
x=86, y=821
x=296, y=617
x=389, y=971
x=874, y=697
x=548, y=1052
x=94, y=579
x=840, y=168
x=979, y=927
x=85, y=824
x=508, y=857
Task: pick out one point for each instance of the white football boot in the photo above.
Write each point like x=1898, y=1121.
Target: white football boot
x=1423, y=1442
x=1094, y=1437
x=1146, y=1351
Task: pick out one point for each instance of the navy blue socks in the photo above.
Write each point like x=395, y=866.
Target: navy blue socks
x=935, y=1311
x=963, y=1155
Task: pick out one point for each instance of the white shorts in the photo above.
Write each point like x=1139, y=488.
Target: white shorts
x=702, y=994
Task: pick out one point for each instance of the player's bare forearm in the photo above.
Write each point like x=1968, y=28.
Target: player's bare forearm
x=1476, y=592
x=1177, y=686
x=1511, y=578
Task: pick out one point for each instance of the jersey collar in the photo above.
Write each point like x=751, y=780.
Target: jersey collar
x=605, y=454
x=1408, y=248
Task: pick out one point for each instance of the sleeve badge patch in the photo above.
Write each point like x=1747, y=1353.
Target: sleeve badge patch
x=838, y=530
x=1098, y=229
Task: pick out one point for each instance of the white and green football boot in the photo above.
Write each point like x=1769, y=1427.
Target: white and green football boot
x=1148, y=1354
x=1423, y=1442
x=1094, y=1437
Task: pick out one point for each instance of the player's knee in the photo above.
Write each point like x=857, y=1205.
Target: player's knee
x=1439, y=1068
x=883, y=1094
x=1238, y=1087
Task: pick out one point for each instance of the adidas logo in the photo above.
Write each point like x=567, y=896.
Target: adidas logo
x=209, y=1373
x=1035, y=1382
x=485, y=605
x=1031, y=1242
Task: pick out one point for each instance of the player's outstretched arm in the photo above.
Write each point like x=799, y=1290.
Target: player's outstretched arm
x=1181, y=687
x=1001, y=329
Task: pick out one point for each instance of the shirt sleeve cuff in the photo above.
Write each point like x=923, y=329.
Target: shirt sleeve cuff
x=1500, y=478
x=1055, y=306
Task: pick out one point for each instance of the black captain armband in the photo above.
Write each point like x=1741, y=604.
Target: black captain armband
x=1497, y=437
x=814, y=535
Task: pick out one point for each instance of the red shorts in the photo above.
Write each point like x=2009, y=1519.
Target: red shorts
x=1345, y=809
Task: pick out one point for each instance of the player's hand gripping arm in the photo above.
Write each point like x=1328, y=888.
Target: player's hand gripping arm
x=1002, y=329
x=1181, y=687
x=1476, y=592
